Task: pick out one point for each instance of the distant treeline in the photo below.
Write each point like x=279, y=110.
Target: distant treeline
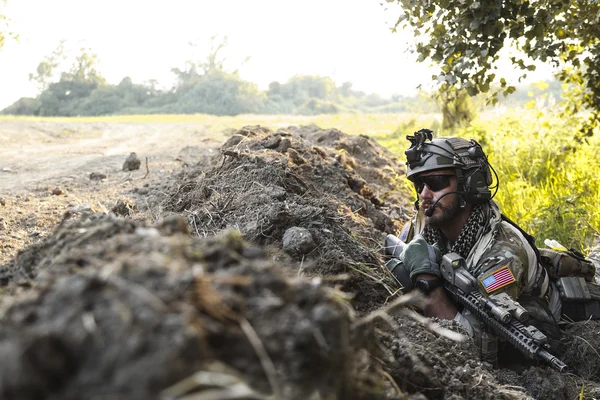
x=215, y=92
x=206, y=87
x=220, y=93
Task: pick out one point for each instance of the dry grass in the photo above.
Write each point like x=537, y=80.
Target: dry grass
x=348, y=123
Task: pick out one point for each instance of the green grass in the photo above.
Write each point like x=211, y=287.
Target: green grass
x=549, y=183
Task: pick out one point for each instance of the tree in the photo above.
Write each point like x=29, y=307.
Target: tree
x=47, y=69
x=214, y=62
x=206, y=86
x=3, y=26
x=457, y=108
x=220, y=93
x=66, y=97
x=84, y=68
x=465, y=39
x=300, y=89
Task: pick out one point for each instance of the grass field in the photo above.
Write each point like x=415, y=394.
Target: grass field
x=549, y=183
x=348, y=123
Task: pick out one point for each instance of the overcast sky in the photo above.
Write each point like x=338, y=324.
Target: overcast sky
x=348, y=40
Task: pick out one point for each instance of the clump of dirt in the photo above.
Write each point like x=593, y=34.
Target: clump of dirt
x=339, y=189
x=131, y=313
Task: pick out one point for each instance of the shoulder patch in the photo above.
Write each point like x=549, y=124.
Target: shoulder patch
x=497, y=279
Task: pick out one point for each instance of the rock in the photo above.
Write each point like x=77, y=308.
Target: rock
x=276, y=192
x=284, y=145
x=298, y=241
x=2, y=201
x=96, y=176
x=295, y=156
x=123, y=208
x=57, y=191
x=132, y=163
x=271, y=142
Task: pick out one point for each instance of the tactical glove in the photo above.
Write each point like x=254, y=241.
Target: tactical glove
x=397, y=268
x=421, y=258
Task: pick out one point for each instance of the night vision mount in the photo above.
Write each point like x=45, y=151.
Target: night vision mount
x=414, y=153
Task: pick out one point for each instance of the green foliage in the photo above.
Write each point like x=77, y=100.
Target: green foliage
x=214, y=62
x=84, y=68
x=302, y=94
x=544, y=93
x=465, y=40
x=3, y=27
x=548, y=184
x=72, y=94
x=217, y=93
x=316, y=106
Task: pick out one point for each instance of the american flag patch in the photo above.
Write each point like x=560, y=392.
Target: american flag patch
x=497, y=279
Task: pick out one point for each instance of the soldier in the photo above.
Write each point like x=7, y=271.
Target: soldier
x=456, y=213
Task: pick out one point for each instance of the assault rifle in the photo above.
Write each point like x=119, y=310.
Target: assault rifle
x=500, y=314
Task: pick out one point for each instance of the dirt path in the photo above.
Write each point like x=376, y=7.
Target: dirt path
x=45, y=152
x=38, y=157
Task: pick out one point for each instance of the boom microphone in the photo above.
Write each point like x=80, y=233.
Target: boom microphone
x=429, y=210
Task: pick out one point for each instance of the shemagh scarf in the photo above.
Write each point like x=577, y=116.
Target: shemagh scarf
x=470, y=233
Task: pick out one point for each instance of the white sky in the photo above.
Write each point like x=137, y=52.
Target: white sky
x=348, y=40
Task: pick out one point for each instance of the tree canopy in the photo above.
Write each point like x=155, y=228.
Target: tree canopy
x=465, y=39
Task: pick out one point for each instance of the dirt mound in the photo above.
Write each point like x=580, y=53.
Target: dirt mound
x=339, y=190
x=129, y=315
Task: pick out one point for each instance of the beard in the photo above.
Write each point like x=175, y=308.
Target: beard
x=445, y=213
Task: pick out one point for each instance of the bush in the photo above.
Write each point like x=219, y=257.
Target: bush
x=24, y=106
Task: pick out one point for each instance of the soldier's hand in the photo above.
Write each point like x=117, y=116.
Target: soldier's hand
x=421, y=258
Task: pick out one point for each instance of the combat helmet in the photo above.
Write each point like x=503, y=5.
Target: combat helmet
x=466, y=157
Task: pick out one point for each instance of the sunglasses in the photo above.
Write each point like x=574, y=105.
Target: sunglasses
x=435, y=183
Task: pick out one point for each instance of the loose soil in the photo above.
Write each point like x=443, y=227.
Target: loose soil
x=240, y=265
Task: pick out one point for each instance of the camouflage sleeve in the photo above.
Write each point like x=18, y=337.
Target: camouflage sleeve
x=504, y=267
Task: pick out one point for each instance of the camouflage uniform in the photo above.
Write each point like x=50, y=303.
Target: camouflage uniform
x=503, y=247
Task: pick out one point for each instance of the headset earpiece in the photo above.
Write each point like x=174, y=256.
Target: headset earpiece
x=477, y=182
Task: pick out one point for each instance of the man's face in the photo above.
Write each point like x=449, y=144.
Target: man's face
x=431, y=186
